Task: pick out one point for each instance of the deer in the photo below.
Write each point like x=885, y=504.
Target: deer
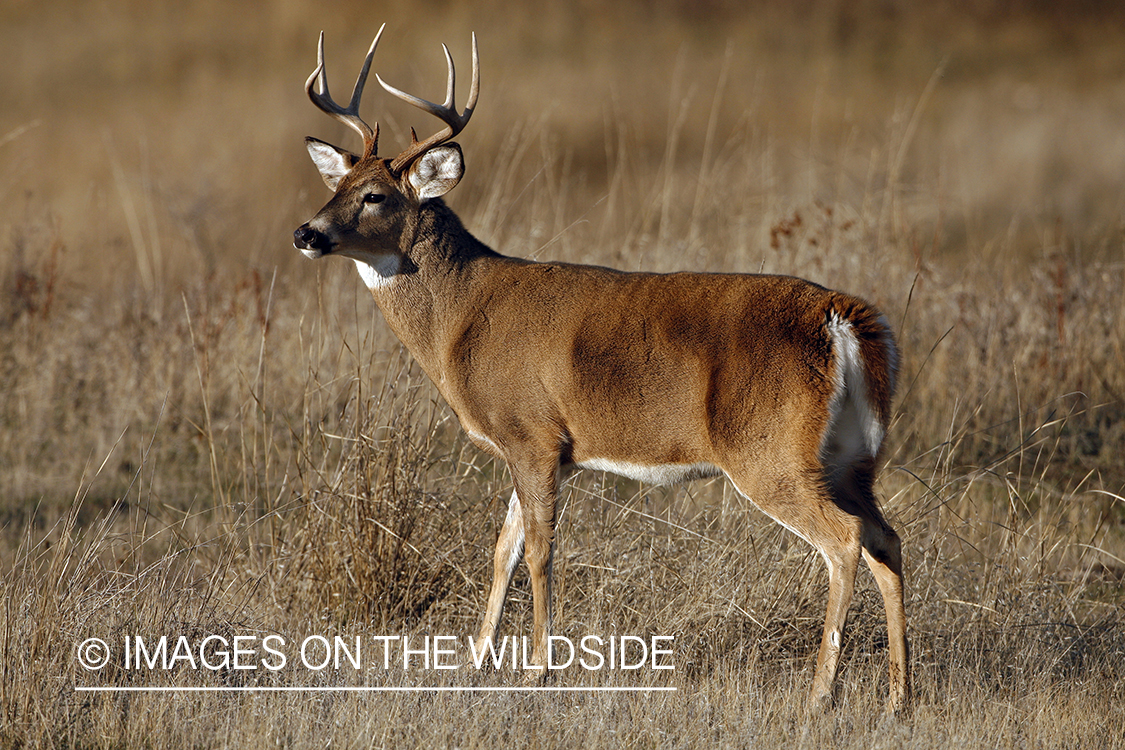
x=778, y=384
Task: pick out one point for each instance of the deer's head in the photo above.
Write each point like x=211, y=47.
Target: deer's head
x=376, y=198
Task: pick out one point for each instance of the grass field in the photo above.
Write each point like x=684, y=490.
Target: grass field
x=203, y=433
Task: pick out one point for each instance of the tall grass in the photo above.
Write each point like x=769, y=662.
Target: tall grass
x=205, y=434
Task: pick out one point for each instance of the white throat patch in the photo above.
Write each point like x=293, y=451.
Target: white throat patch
x=379, y=274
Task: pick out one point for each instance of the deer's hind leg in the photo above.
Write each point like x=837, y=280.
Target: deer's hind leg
x=800, y=500
x=882, y=550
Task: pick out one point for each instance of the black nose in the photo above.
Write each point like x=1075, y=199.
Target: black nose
x=307, y=238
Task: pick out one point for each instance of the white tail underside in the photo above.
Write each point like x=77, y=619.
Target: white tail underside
x=853, y=429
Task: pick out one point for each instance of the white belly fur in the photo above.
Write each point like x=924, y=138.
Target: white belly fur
x=652, y=474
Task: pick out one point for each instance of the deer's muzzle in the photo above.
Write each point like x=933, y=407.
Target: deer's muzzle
x=311, y=242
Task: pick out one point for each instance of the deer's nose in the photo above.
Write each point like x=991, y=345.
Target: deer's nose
x=307, y=238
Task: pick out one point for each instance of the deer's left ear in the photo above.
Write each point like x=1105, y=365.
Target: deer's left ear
x=333, y=162
x=437, y=171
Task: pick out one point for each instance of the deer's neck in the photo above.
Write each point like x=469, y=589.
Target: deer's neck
x=425, y=293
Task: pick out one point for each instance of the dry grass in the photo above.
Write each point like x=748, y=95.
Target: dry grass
x=205, y=434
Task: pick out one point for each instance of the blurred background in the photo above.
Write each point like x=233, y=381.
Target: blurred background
x=172, y=131
x=960, y=164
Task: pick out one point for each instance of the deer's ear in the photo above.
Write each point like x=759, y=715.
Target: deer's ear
x=437, y=171
x=333, y=162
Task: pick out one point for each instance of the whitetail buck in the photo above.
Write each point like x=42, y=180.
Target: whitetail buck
x=779, y=384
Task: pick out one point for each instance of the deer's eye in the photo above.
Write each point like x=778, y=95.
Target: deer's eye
x=374, y=198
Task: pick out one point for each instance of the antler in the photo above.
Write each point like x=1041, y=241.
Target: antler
x=454, y=122
x=348, y=115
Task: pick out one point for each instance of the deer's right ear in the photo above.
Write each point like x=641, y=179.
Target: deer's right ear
x=437, y=171
x=334, y=163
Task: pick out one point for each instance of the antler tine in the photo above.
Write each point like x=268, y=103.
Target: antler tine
x=348, y=115
x=454, y=122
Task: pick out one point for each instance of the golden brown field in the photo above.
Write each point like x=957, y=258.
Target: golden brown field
x=204, y=433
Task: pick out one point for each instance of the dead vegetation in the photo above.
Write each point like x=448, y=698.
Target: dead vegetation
x=204, y=435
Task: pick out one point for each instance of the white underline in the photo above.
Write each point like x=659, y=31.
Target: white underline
x=322, y=689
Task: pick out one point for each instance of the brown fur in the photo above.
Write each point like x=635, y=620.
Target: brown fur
x=553, y=365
